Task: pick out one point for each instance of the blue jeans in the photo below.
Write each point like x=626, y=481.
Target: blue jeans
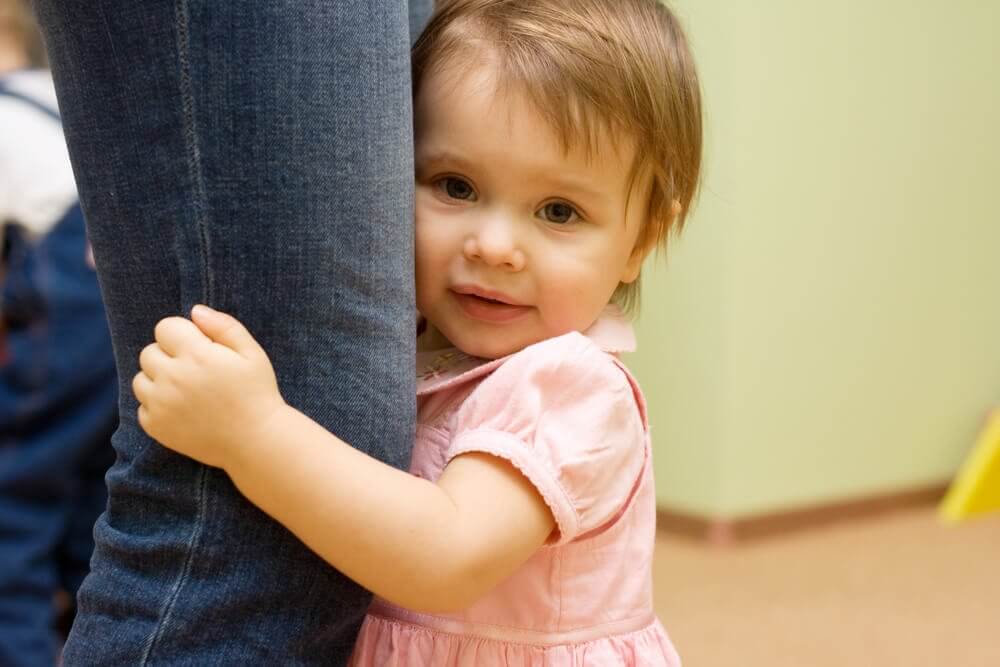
x=58, y=408
x=255, y=156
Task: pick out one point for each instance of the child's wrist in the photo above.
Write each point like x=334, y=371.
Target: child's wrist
x=260, y=437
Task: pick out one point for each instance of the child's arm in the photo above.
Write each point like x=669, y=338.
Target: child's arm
x=425, y=546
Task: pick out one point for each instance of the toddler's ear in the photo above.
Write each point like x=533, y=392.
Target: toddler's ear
x=675, y=210
x=634, y=264
x=645, y=246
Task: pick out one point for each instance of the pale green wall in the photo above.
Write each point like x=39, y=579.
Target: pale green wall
x=828, y=326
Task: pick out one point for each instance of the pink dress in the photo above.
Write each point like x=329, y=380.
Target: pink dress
x=570, y=417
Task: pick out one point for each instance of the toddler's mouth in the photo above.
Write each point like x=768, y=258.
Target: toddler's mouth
x=487, y=300
x=485, y=295
x=488, y=306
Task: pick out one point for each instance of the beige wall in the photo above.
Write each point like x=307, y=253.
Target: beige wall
x=829, y=324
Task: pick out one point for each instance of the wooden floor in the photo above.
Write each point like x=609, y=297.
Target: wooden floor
x=901, y=589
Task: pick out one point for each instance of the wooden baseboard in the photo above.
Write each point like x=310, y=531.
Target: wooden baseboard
x=723, y=532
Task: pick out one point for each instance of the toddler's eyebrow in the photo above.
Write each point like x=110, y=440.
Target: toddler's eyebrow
x=571, y=185
x=443, y=156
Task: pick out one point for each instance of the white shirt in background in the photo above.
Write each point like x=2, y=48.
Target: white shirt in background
x=36, y=180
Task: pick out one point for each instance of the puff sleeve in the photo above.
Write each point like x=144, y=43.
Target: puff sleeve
x=566, y=416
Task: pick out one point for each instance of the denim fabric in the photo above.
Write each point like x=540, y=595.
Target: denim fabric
x=58, y=408
x=255, y=156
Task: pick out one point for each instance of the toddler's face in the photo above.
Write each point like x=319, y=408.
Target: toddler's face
x=516, y=241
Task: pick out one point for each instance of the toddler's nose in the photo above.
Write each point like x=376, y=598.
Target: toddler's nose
x=494, y=244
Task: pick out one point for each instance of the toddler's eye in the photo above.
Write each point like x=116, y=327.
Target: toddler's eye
x=456, y=188
x=559, y=213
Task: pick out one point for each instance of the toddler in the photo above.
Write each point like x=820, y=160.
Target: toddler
x=557, y=143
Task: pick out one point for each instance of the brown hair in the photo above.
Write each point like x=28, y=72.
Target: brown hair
x=621, y=66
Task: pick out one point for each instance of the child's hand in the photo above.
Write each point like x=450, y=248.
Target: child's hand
x=206, y=387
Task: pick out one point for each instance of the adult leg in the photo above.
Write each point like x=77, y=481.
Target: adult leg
x=256, y=157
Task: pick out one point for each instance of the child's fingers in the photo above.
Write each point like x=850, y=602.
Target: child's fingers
x=142, y=387
x=152, y=360
x=224, y=329
x=143, y=415
x=176, y=334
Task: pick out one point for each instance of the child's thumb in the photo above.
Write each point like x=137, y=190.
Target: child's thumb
x=224, y=329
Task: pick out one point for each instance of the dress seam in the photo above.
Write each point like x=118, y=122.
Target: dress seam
x=393, y=620
x=563, y=512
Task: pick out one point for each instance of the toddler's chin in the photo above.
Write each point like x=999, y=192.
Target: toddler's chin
x=493, y=349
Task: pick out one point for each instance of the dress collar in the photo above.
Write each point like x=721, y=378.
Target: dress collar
x=612, y=331
x=439, y=369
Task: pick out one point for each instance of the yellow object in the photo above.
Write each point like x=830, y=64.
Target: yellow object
x=976, y=489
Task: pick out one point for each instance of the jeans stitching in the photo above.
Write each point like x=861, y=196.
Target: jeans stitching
x=168, y=606
x=195, y=172
x=191, y=144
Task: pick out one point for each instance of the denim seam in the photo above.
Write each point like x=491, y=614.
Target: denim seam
x=195, y=173
x=168, y=606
